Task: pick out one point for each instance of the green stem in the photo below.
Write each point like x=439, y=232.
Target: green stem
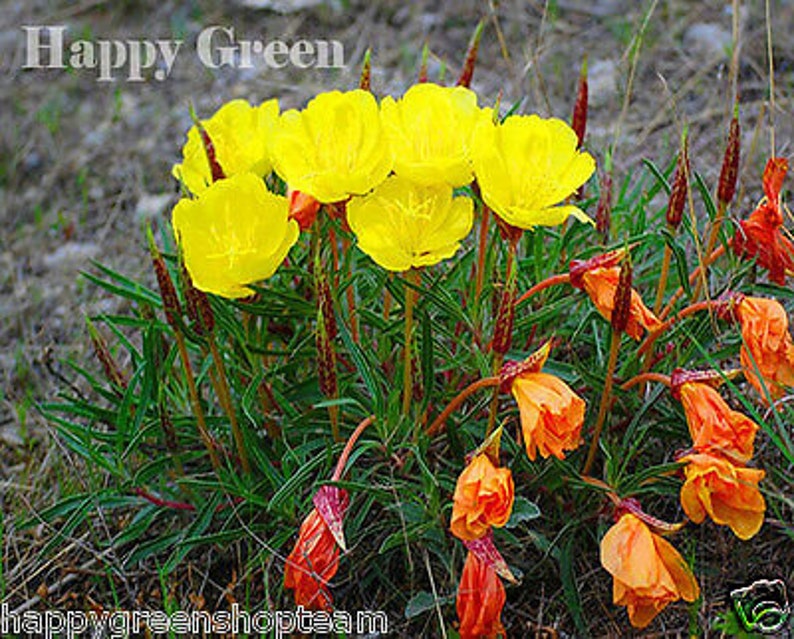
x=412, y=277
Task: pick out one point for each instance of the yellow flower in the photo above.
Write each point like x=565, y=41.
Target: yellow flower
x=334, y=148
x=401, y=225
x=429, y=131
x=240, y=136
x=526, y=166
x=235, y=233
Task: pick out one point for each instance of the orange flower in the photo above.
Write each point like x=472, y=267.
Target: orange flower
x=767, y=345
x=648, y=572
x=551, y=414
x=760, y=235
x=483, y=498
x=713, y=425
x=599, y=277
x=727, y=493
x=314, y=560
x=481, y=597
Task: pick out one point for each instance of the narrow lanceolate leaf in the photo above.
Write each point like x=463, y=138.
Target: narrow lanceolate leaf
x=730, y=163
x=579, y=119
x=622, y=307
x=471, y=56
x=678, y=195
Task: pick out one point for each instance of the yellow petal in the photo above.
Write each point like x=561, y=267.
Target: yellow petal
x=334, y=148
x=234, y=234
x=528, y=165
x=241, y=137
x=401, y=225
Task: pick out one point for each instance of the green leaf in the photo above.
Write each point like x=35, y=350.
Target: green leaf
x=523, y=510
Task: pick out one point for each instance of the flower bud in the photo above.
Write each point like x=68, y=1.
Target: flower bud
x=471, y=56
x=680, y=188
x=365, y=80
x=579, y=119
x=621, y=312
x=730, y=165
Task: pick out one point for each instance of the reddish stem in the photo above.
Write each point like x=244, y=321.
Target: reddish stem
x=562, y=278
x=438, y=422
x=646, y=377
x=340, y=465
x=650, y=340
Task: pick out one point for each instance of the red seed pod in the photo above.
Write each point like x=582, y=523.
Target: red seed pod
x=326, y=359
x=171, y=305
x=503, y=331
x=532, y=364
x=326, y=306
x=577, y=268
x=730, y=165
x=365, y=80
x=111, y=369
x=603, y=215
x=471, y=56
x=423, y=65
x=209, y=148
x=621, y=311
x=197, y=305
x=579, y=119
x=680, y=189
x=633, y=506
x=681, y=376
x=169, y=432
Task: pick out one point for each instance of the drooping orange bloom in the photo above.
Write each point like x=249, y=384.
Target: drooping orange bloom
x=727, y=493
x=551, y=414
x=761, y=234
x=481, y=597
x=314, y=560
x=648, y=571
x=713, y=425
x=768, y=349
x=483, y=498
x=598, y=277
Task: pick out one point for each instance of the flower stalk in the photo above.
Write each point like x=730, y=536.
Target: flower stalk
x=619, y=322
x=412, y=280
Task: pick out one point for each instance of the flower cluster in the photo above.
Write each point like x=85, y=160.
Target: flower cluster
x=717, y=481
x=393, y=165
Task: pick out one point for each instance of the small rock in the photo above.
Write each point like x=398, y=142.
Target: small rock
x=71, y=254
x=602, y=80
x=707, y=41
x=151, y=205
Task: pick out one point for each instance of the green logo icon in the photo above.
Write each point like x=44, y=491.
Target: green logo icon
x=762, y=606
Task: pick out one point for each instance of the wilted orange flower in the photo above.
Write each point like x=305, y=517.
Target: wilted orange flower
x=760, y=235
x=481, y=597
x=483, y=498
x=713, y=425
x=767, y=348
x=314, y=560
x=551, y=414
x=598, y=277
x=648, y=572
x=727, y=493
